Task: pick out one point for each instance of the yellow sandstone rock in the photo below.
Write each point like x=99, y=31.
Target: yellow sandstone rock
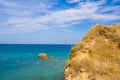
x=44, y=56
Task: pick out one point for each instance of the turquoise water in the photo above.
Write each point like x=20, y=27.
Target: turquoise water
x=20, y=62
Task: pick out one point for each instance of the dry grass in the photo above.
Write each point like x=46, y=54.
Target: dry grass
x=102, y=59
x=110, y=29
x=75, y=49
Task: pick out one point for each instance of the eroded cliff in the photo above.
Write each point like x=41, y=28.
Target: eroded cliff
x=97, y=56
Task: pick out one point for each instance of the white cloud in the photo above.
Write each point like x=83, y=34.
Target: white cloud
x=73, y=1
x=66, y=30
x=60, y=19
x=17, y=9
x=115, y=1
x=9, y=4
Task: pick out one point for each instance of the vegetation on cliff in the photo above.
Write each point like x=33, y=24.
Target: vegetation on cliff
x=97, y=56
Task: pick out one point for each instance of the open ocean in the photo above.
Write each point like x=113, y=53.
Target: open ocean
x=21, y=62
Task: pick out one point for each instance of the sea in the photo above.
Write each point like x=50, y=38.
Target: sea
x=21, y=62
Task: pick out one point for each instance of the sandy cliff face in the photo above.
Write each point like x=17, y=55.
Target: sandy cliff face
x=97, y=56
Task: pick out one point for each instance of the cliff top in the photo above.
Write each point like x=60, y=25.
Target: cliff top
x=97, y=55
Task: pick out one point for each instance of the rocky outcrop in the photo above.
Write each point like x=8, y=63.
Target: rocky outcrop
x=44, y=56
x=97, y=56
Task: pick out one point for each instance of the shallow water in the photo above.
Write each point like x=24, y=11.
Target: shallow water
x=20, y=62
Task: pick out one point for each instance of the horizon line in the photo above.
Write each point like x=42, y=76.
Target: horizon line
x=38, y=43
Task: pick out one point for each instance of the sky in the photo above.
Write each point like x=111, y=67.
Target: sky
x=53, y=21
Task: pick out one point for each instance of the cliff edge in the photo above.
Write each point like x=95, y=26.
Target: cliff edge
x=97, y=56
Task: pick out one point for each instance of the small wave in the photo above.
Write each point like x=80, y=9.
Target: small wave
x=38, y=62
x=17, y=60
x=4, y=58
x=30, y=54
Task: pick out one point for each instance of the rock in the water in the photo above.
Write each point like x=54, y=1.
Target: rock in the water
x=44, y=56
x=97, y=56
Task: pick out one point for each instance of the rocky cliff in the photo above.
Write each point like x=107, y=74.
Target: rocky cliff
x=97, y=56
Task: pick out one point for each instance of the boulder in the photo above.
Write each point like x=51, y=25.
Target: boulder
x=44, y=56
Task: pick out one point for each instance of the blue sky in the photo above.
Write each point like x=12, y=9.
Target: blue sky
x=53, y=21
